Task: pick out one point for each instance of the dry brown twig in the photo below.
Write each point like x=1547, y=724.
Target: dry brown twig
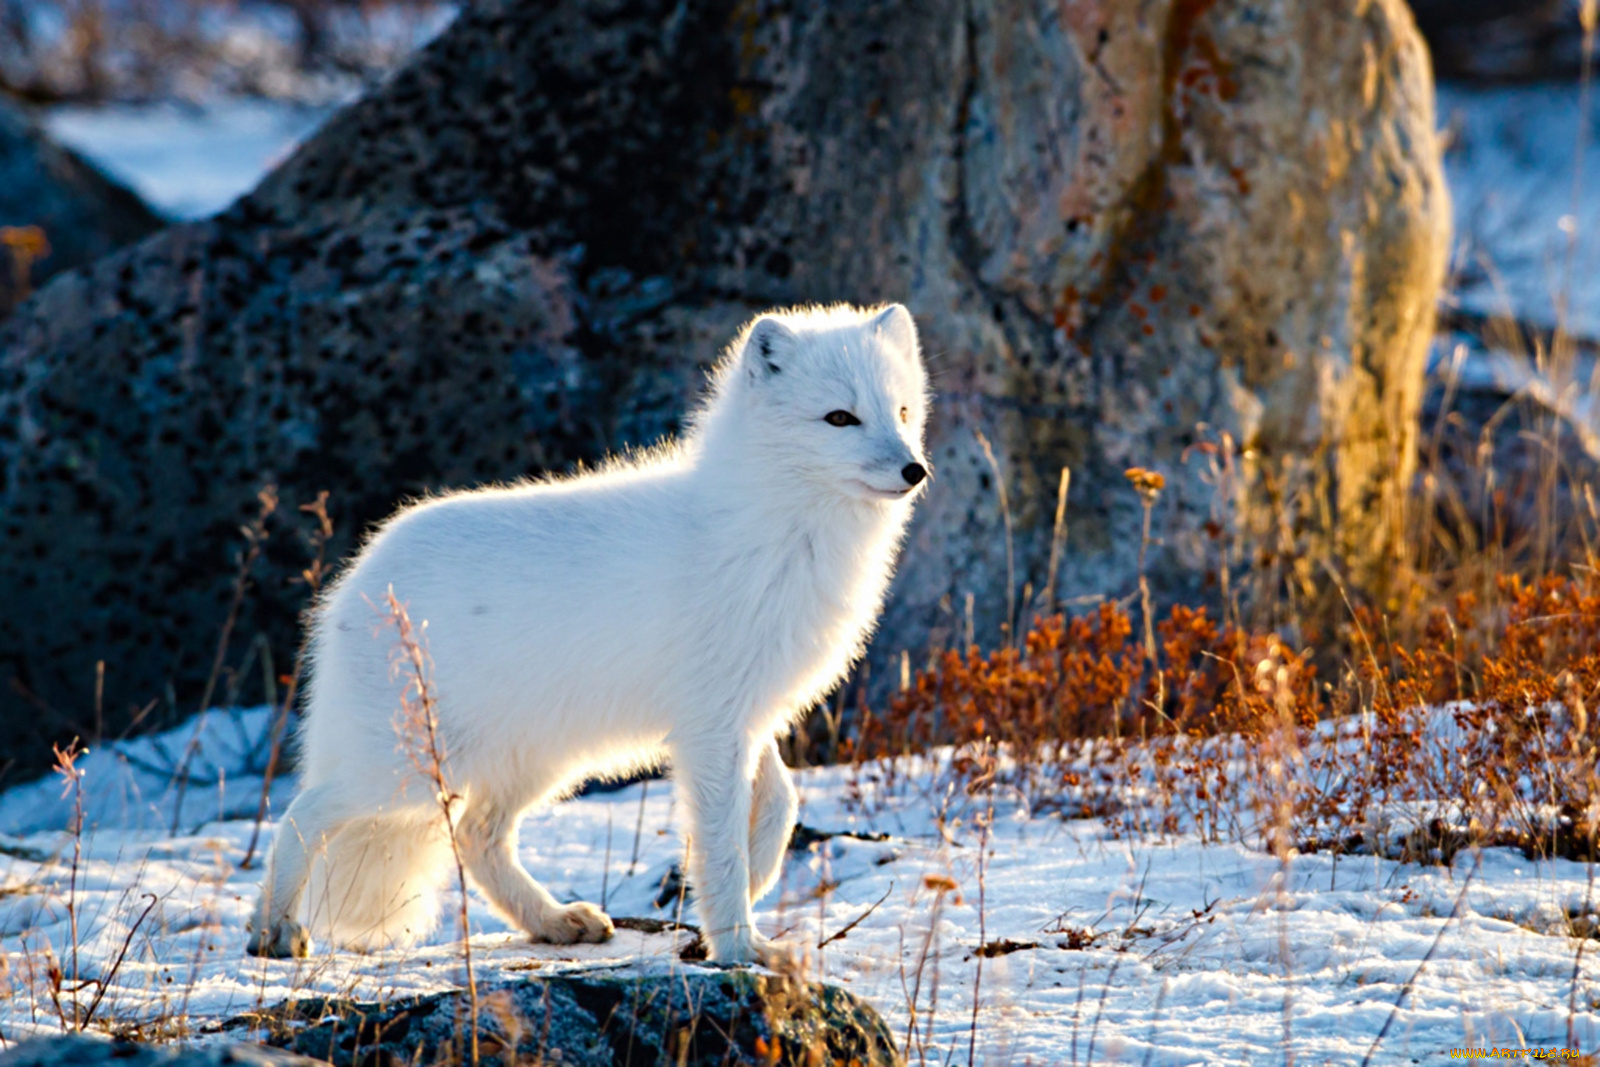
x=1005, y=514
x=72, y=784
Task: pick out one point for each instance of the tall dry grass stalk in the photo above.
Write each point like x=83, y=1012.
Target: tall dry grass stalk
x=71, y=775
x=985, y=820
x=417, y=724
x=312, y=577
x=1058, y=543
x=1010, y=628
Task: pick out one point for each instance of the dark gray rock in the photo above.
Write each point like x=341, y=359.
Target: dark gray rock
x=1123, y=229
x=78, y=1051
x=1503, y=40
x=83, y=214
x=697, y=1017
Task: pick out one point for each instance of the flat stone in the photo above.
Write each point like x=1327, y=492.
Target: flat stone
x=76, y=1050
x=696, y=1016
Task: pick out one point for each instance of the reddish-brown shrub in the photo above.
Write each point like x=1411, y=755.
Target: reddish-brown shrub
x=1478, y=726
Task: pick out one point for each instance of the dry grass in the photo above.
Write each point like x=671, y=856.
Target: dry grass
x=1480, y=722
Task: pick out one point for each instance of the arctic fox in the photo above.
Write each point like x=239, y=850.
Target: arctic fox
x=685, y=605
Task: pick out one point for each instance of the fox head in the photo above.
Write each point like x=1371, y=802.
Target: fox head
x=835, y=397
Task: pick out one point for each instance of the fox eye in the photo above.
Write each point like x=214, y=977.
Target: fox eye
x=905, y=415
x=841, y=418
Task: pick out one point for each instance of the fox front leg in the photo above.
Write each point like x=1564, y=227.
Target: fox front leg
x=715, y=779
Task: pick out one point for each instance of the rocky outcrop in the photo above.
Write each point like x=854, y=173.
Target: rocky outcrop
x=693, y=1017
x=79, y=1051
x=47, y=189
x=1180, y=235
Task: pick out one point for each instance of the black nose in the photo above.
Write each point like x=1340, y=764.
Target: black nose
x=913, y=473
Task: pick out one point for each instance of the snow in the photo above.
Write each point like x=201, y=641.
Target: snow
x=188, y=161
x=1160, y=951
x=196, y=126
x=134, y=784
x=1512, y=163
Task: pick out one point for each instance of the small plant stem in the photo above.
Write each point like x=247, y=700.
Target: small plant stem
x=74, y=778
x=1155, y=1017
x=103, y=985
x=638, y=827
x=916, y=983
x=1577, y=958
x=853, y=923
x=1011, y=560
x=313, y=577
x=1099, y=1010
x=983, y=930
x=255, y=536
x=99, y=700
x=1148, y=612
x=605, y=870
x=1588, y=18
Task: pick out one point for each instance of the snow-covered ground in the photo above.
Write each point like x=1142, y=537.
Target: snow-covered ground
x=1160, y=952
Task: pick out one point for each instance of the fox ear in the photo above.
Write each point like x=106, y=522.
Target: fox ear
x=894, y=324
x=767, y=347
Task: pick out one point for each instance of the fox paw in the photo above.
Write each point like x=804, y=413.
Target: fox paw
x=573, y=923
x=282, y=941
x=784, y=957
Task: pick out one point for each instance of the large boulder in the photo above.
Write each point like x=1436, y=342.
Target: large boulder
x=1125, y=230
x=693, y=1017
x=52, y=191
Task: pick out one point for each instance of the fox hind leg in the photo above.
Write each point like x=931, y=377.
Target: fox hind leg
x=774, y=805
x=314, y=817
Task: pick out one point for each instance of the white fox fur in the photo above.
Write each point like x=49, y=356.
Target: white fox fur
x=685, y=605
